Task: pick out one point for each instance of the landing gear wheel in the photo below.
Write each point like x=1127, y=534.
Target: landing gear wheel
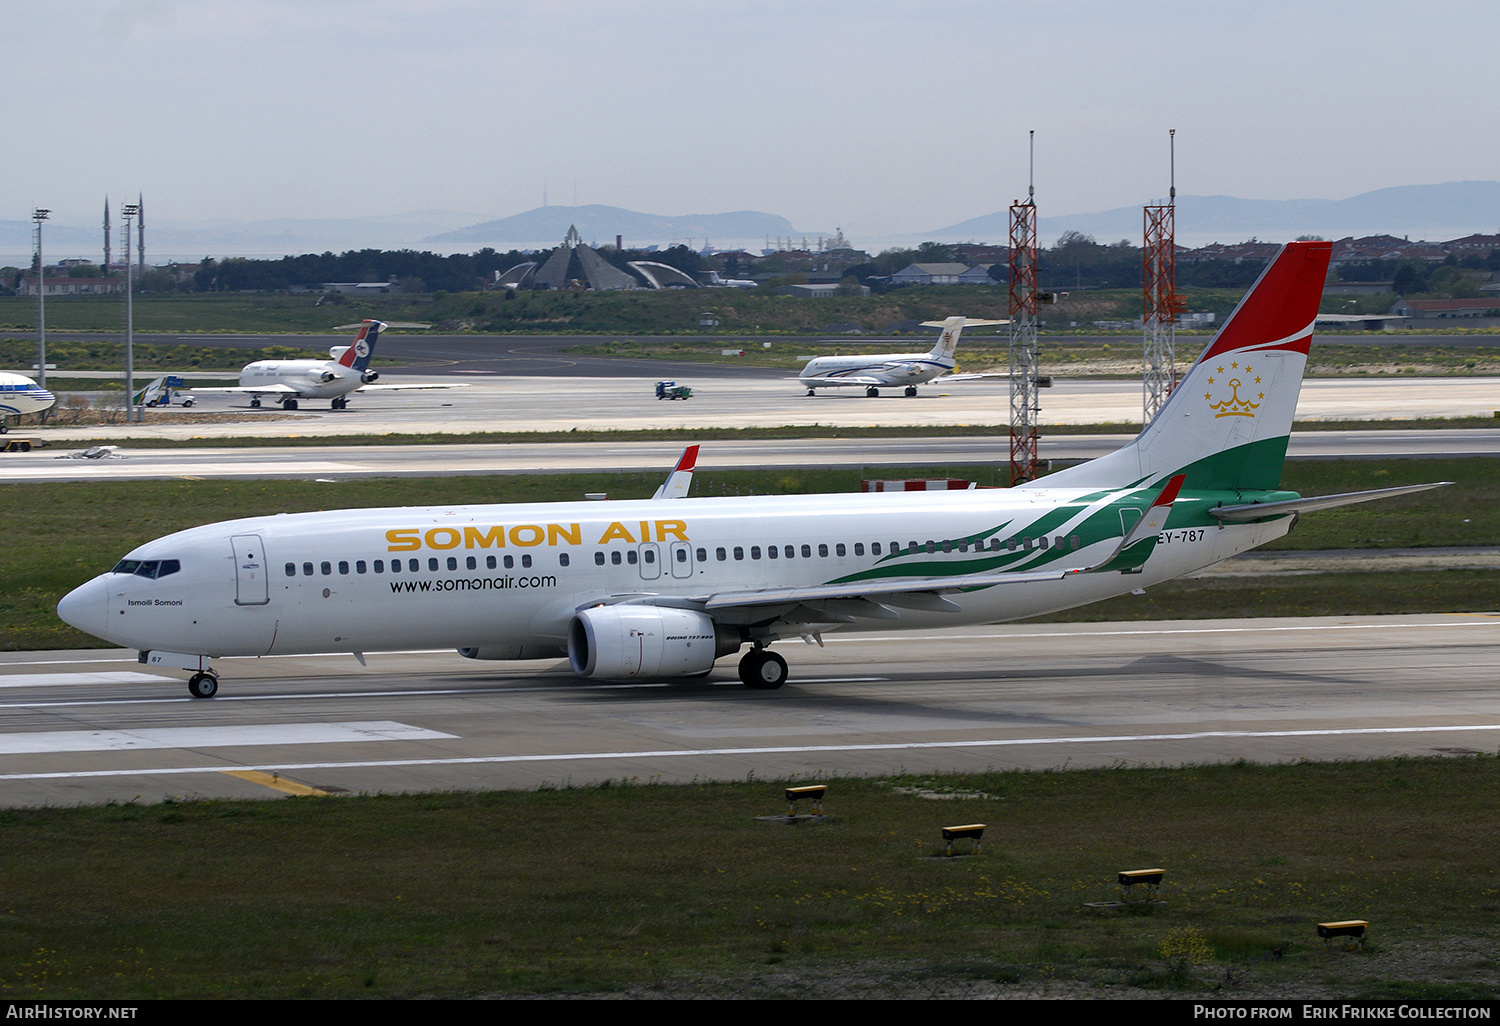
x=911, y=390
x=763, y=670
x=203, y=685
x=289, y=404
x=255, y=403
x=811, y=392
x=872, y=392
x=340, y=403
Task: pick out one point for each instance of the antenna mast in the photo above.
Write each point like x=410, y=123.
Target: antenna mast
x=1025, y=407
x=1160, y=303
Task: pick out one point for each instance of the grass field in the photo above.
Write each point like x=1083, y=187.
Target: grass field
x=646, y=890
x=89, y=526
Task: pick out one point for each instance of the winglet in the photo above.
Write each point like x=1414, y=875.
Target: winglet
x=681, y=478
x=1145, y=529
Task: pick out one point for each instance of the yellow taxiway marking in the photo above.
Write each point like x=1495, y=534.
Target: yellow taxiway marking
x=274, y=781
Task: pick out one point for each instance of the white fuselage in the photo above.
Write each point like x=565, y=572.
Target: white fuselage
x=890, y=371
x=20, y=395
x=309, y=379
x=513, y=577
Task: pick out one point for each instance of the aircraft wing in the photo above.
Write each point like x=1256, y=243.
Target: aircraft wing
x=249, y=390
x=977, y=375
x=862, y=379
x=380, y=388
x=1262, y=510
x=925, y=592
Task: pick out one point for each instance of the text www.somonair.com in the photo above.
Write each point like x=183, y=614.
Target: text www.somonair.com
x=473, y=584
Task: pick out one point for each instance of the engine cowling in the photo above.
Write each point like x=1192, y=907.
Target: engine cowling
x=369, y=376
x=627, y=642
x=513, y=652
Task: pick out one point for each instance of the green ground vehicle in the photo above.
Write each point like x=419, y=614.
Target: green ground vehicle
x=672, y=390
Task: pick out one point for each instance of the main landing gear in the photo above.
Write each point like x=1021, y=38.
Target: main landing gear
x=203, y=685
x=873, y=392
x=911, y=390
x=340, y=403
x=762, y=670
x=288, y=404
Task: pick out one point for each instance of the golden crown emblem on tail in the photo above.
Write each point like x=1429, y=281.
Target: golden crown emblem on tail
x=1236, y=405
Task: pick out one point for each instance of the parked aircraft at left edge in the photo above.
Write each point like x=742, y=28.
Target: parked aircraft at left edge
x=660, y=589
x=20, y=395
x=287, y=381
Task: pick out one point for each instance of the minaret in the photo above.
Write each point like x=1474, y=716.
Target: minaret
x=106, y=236
x=140, y=232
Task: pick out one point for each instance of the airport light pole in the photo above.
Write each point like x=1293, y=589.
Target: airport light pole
x=132, y=412
x=39, y=215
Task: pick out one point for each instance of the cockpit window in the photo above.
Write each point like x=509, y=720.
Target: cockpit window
x=151, y=568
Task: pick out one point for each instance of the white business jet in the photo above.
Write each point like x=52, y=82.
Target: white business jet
x=652, y=589
x=20, y=395
x=899, y=370
x=288, y=381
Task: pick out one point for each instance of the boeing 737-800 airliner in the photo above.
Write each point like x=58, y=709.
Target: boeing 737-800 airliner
x=661, y=589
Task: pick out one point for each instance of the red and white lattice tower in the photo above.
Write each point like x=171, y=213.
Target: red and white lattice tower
x=1025, y=407
x=1160, y=303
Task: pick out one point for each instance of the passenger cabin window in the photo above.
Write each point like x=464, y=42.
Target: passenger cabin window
x=599, y=558
x=291, y=569
x=343, y=566
x=562, y=559
x=359, y=566
x=307, y=570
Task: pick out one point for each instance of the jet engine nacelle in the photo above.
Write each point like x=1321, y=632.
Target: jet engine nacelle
x=324, y=376
x=369, y=376
x=625, y=642
x=513, y=652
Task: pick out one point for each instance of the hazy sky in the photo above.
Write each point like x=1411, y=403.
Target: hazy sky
x=882, y=117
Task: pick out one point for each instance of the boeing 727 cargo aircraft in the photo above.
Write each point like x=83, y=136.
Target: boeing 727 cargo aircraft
x=661, y=589
x=348, y=371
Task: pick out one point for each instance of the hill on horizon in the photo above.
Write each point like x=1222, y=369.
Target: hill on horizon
x=600, y=224
x=1433, y=213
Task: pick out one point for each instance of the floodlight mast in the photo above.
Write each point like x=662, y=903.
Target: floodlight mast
x=39, y=215
x=132, y=412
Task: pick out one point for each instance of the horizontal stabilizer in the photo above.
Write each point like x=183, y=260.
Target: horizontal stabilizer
x=1261, y=510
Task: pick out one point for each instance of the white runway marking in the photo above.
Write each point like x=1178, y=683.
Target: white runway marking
x=49, y=680
x=211, y=737
x=767, y=750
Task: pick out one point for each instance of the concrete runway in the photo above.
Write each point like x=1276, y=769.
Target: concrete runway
x=90, y=727
x=336, y=462
x=627, y=403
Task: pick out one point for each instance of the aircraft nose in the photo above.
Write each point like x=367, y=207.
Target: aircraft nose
x=87, y=607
